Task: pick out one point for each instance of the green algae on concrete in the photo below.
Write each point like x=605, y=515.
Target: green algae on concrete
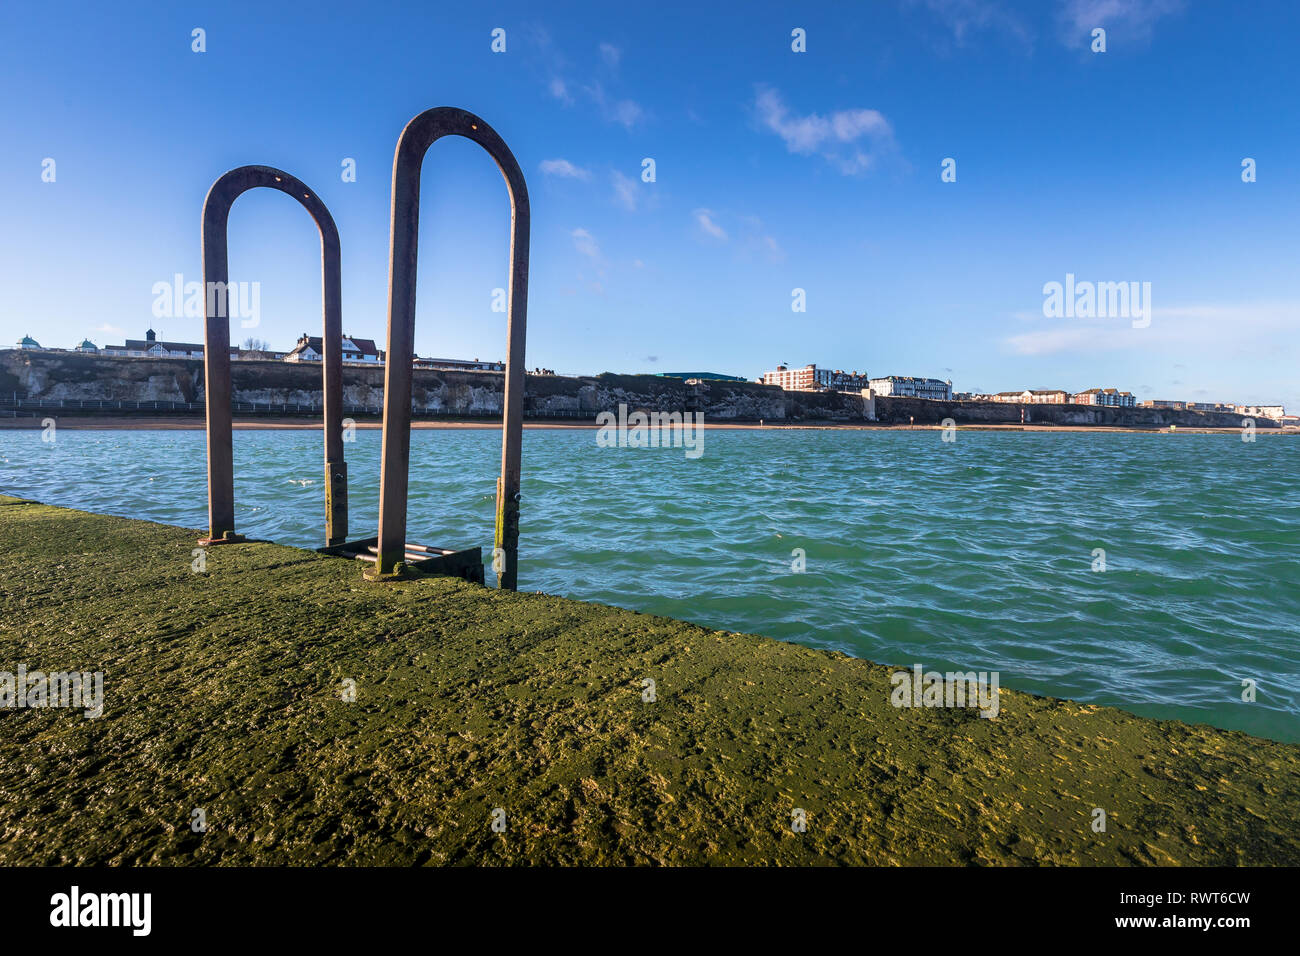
x=223, y=692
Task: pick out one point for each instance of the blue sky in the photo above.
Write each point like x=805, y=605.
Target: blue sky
x=775, y=170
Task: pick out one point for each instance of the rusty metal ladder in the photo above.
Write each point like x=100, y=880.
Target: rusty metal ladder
x=216, y=351
x=389, y=554
x=390, y=549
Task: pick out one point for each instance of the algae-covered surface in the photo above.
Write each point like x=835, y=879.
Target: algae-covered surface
x=224, y=692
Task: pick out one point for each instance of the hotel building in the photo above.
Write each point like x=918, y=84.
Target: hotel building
x=910, y=386
x=810, y=378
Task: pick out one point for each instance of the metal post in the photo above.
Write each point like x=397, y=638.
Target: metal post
x=216, y=349
x=419, y=134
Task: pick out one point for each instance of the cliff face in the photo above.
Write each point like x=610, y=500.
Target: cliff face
x=899, y=410
x=72, y=376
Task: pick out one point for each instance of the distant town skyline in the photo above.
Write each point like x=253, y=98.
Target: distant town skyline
x=358, y=350
x=914, y=175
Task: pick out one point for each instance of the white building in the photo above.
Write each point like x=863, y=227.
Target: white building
x=151, y=347
x=910, y=386
x=1262, y=411
x=310, y=348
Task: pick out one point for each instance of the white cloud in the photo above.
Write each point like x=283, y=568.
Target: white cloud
x=562, y=85
x=564, y=169
x=1136, y=18
x=966, y=17
x=704, y=219
x=836, y=138
x=586, y=244
x=560, y=91
x=626, y=113
x=1250, y=328
x=109, y=329
x=625, y=191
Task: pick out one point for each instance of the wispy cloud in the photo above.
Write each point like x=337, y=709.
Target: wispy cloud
x=625, y=192
x=962, y=19
x=586, y=244
x=566, y=83
x=564, y=169
x=627, y=113
x=851, y=140
x=1222, y=329
x=109, y=329
x=705, y=221
x=1136, y=18
x=560, y=90
x=756, y=240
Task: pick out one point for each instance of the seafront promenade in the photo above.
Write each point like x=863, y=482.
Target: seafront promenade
x=303, y=715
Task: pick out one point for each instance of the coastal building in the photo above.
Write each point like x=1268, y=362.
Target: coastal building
x=310, y=348
x=1106, y=397
x=87, y=346
x=27, y=342
x=1032, y=396
x=1190, y=406
x=1261, y=411
x=911, y=386
x=151, y=347
x=810, y=378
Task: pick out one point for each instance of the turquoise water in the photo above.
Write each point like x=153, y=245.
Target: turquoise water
x=971, y=555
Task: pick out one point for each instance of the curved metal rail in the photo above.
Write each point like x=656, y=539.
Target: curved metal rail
x=216, y=350
x=419, y=134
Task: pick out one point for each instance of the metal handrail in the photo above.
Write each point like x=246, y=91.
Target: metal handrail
x=416, y=139
x=216, y=349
